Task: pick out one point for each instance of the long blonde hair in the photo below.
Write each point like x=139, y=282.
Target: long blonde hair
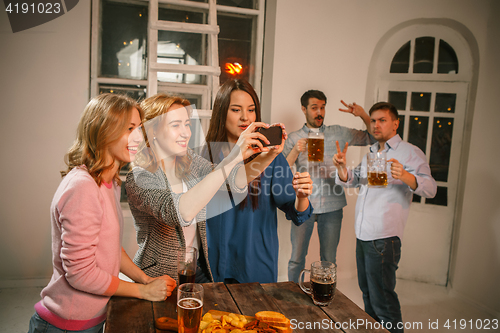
x=104, y=120
x=146, y=157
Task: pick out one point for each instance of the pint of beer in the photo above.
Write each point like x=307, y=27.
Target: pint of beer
x=189, y=307
x=323, y=282
x=315, y=146
x=376, y=164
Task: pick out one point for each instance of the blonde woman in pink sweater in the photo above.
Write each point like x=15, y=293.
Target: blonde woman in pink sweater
x=87, y=224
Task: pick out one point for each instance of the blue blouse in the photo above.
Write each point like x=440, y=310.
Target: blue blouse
x=243, y=243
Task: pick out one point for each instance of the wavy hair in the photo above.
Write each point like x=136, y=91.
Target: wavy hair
x=103, y=122
x=154, y=107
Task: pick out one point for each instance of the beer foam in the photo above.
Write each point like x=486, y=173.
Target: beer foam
x=190, y=303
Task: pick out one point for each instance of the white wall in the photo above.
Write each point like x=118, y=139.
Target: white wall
x=475, y=269
x=44, y=88
x=328, y=45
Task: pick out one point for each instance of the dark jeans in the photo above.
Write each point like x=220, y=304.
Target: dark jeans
x=230, y=281
x=38, y=325
x=329, y=225
x=377, y=262
x=201, y=274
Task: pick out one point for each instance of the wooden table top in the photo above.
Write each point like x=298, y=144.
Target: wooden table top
x=129, y=315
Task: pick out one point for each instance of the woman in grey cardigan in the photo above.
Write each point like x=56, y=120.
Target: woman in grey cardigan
x=170, y=185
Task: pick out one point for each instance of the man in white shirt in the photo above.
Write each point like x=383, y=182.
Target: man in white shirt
x=381, y=213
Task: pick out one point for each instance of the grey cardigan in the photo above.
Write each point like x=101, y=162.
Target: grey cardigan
x=158, y=223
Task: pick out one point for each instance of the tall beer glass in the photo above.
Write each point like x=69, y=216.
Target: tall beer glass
x=377, y=169
x=189, y=307
x=186, y=264
x=315, y=146
x=323, y=282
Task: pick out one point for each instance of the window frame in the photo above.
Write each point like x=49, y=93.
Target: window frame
x=256, y=56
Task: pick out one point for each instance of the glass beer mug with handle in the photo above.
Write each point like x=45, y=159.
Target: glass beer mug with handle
x=323, y=282
x=315, y=146
x=376, y=167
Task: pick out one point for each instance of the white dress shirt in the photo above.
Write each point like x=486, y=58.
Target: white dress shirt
x=383, y=212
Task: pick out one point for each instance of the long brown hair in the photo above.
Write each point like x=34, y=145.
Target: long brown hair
x=217, y=131
x=104, y=120
x=154, y=107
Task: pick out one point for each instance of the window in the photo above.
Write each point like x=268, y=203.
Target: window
x=427, y=120
x=427, y=111
x=423, y=51
x=120, y=43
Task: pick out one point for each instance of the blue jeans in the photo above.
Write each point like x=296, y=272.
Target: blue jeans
x=38, y=325
x=329, y=225
x=377, y=262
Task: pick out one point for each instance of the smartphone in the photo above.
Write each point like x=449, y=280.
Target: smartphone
x=274, y=134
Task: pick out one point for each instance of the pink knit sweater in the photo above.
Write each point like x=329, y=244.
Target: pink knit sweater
x=86, y=252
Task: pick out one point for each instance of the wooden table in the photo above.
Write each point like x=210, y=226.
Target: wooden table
x=128, y=315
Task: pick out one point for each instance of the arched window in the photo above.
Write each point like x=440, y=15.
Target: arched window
x=427, y=111
x=423, y=57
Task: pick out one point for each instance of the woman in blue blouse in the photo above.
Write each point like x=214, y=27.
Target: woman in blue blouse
x=243, y=240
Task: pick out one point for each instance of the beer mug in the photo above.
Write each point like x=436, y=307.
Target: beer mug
x=315, y=146
x=323, y=282
x=186, y=264
x=377, y=169
x=189, y=307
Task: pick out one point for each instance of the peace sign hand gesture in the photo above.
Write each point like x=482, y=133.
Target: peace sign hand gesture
x=339, y=160
x=353, y=108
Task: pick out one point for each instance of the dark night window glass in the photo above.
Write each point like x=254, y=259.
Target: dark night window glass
x=401, y=126
x=447, y=59
x=180, y=48
x=235, y=43
x=420, y=101
x=233, y=3
x=398, y=99
x=237, y=3
x=401, y=61
x=417, y=134
x=123, y=40
x=445, y=103
x=423, y=61
x=137, y=93
x=176, y=15
x=441, y=148
x=441, y=198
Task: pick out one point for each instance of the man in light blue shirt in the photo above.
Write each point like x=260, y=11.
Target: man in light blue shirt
x=381, y=213
x=327, y=198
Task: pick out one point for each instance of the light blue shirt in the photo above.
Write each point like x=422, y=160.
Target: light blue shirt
x=327, y=196
x=383, y=212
